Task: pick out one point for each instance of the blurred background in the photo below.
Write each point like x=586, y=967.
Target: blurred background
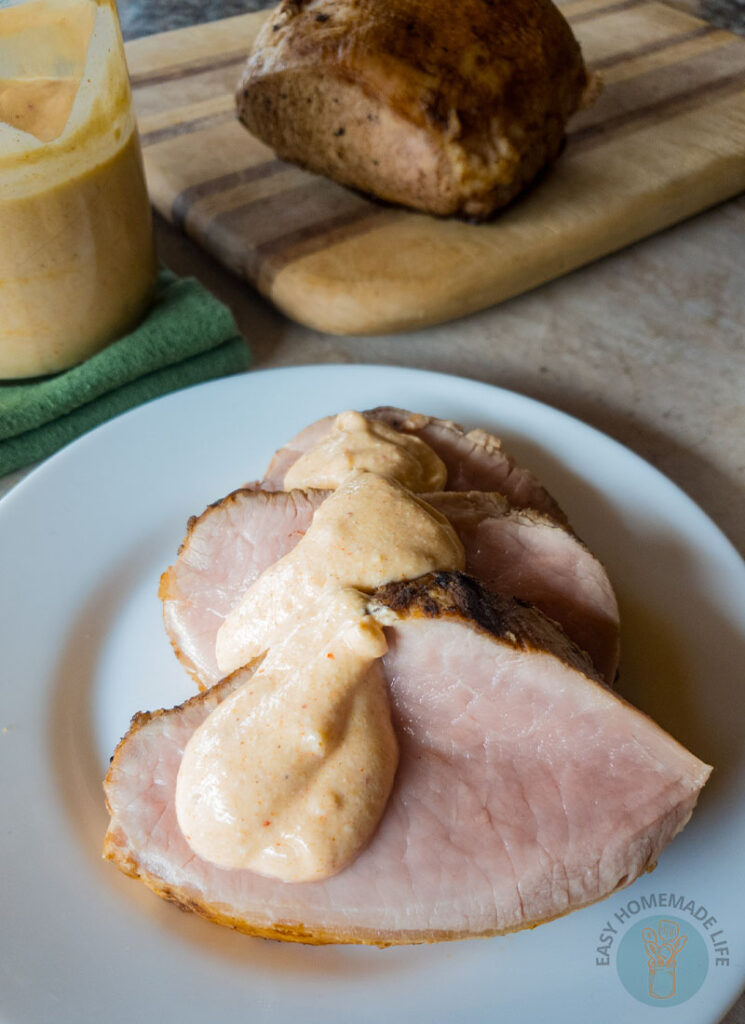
x=143, y=17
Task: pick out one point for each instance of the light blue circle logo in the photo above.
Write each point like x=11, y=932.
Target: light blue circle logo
x=662, y=961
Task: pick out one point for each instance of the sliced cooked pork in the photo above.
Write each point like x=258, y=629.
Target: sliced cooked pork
x=475, y=460
x=526, y=554
x=525, y=789
x=520, y=553
x=225, y=550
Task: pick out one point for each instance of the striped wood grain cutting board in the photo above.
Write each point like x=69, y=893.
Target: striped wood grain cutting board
x=665, y=140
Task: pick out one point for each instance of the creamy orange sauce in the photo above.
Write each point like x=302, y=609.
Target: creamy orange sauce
x=290, y=775
x=77, y=262
x=358, y=443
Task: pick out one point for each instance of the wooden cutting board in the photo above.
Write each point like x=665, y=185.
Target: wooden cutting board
x=665, y=140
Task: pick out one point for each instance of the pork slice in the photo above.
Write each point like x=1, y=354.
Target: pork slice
x=288, y=454
x=527, y=554
x=520, y=553
x=475, y=461
x=526, y=788
x=225, y=549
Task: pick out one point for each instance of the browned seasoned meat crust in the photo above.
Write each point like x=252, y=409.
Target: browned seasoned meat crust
x=459, y=597
x=448, y=108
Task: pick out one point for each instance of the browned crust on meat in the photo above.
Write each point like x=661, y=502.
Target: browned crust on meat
x=483, y=505
x=464, y=60
x=455, y=595
x=481, y=89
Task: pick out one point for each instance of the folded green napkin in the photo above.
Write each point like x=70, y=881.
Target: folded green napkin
x=187, y=336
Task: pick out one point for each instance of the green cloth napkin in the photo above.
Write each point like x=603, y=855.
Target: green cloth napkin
x=187, y=336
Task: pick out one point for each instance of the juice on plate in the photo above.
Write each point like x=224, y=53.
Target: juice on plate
x=77, y=262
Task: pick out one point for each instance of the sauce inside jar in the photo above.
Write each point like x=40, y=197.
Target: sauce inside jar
x=77, y=263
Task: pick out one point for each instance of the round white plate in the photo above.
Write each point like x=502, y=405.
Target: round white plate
x=83, y=540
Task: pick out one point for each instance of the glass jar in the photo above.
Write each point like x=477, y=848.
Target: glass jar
x=77, y=261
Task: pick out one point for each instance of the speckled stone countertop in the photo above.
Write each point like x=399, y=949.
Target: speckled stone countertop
x=725, y=13
x=648, y=345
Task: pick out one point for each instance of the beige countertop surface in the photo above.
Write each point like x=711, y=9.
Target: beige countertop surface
x=647, y=345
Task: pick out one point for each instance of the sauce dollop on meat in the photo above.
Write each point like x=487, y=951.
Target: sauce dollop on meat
x=291, y=774
x=356, y=442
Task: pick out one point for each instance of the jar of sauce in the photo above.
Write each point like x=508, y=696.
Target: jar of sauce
x=77, y=262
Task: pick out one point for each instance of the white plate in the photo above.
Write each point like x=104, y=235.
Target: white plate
x=82, y=542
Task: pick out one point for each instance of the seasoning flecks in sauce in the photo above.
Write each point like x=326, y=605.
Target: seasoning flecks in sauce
x=290, y=775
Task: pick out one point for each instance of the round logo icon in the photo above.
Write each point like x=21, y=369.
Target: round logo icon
x=662, y=961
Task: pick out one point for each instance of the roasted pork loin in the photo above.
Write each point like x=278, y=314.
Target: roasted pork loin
x=448, y=108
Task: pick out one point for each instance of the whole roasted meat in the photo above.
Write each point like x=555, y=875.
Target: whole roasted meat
x=451, y=108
